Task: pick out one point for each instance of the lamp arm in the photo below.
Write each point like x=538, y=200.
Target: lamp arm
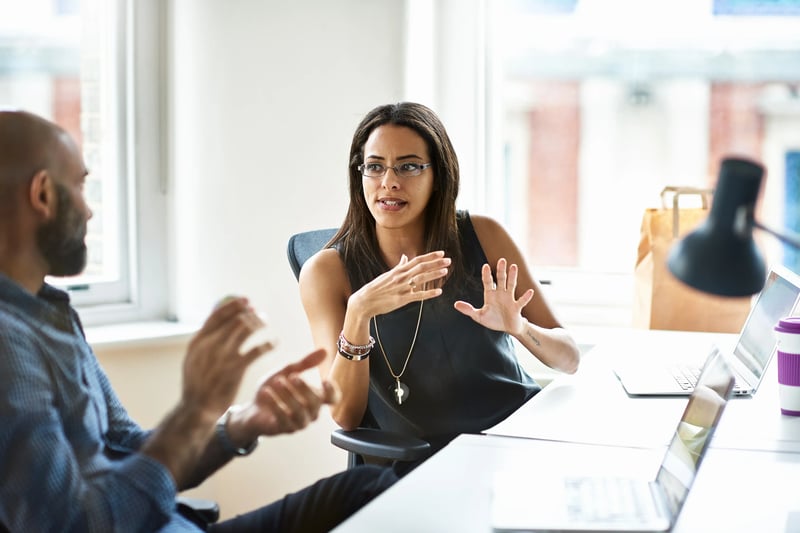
x=791, y=240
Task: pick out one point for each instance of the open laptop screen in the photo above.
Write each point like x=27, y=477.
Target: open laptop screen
x=757, y=342
x=695, y=429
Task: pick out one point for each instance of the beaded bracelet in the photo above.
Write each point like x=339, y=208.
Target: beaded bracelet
x=354, y=352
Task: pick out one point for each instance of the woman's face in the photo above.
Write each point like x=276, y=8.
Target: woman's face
x=396, y=200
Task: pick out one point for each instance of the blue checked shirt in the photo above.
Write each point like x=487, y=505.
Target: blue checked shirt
x=68, y=458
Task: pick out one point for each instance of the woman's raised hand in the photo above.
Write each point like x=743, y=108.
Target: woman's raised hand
x=408, y=281
x=500, y=311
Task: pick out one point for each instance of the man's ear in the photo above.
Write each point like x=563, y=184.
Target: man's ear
x=42, y=195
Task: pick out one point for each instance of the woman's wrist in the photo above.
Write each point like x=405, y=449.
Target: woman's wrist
x=521, y=330
x=528, y=335
x=358, y=314
x=354, y=352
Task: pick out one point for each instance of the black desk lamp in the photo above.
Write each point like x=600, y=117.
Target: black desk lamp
x=720, y=256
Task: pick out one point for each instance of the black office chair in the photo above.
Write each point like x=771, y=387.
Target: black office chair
x=200, y=511
x=367, y=441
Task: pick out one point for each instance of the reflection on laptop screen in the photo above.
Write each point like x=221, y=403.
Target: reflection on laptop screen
x=700, y=418
x=757, y=341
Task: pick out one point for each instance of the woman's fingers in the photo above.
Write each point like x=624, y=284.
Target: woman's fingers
x=502, y=275
x=412, y=275
x=487, y=279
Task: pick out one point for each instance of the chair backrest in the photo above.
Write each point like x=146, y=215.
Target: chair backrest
x=367, y=439
x=305, y=244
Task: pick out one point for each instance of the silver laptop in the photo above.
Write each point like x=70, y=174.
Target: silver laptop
x=753, y=351
x=520, y=503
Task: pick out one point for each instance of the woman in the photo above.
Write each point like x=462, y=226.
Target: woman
x=415, y=302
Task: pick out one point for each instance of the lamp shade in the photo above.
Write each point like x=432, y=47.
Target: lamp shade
x=720, y=256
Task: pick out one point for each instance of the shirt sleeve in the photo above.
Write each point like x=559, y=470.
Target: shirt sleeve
x=61, y=478
x=123, y=432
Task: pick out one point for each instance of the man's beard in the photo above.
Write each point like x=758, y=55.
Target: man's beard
x=62, y=241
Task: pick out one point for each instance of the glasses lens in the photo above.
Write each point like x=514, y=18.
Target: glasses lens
x=372, y=170
x=408, y=170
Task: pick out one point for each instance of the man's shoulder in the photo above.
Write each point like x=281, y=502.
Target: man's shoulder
x=15, y=323
x=28, y=340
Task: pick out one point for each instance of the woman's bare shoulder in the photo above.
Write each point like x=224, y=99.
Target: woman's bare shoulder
x=495, y=240
x=324, y=270
x=489, y=230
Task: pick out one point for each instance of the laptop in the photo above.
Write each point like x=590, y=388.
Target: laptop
x=754, y=348
x=599, y=503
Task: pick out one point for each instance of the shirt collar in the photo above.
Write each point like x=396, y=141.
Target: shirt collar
x=50, y=304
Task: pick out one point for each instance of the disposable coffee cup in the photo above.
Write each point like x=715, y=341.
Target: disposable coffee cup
x=788, y=336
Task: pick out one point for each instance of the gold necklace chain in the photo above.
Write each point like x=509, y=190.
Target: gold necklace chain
x=410, y=350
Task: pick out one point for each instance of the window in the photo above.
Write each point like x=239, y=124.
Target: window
x=80, y=64
x=594, y=106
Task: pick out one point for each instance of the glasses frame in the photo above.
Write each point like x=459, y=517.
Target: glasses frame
x=422, y=167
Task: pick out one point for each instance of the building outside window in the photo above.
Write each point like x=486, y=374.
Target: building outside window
x=594, y=106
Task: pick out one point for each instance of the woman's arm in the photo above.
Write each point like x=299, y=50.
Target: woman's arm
x=535, y=325
x=331, y=309
x=324, y=291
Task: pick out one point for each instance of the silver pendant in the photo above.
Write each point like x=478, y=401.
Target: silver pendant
x=400, y=392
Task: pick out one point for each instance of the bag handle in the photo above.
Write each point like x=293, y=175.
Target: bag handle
x=677, y=192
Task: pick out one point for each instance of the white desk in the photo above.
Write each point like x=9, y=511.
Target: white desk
x=587, y=423
x=592, y=407
x=451, y=491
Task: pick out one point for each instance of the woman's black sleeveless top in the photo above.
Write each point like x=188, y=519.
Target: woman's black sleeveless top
x=461, y=377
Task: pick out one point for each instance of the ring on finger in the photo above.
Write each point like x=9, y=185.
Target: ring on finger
x=413, y=283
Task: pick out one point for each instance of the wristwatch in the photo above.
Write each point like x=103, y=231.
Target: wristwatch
x=221, y=431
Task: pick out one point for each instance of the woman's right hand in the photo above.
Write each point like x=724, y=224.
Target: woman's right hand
x=408, y=281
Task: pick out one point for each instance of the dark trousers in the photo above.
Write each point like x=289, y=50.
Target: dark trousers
x=317, y=508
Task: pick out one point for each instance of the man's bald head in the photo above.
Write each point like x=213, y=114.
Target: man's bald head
x=28, y=144
x=43, y=212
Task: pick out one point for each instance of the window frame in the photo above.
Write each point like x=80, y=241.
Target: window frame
x=142, y=58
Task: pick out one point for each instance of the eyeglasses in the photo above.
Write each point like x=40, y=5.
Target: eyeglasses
x=403, y=170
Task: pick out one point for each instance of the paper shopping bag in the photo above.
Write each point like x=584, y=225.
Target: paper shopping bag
x=661, y=300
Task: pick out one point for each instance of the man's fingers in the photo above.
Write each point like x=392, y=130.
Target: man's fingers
x=233, y=319
x=273, y=409
x=257, y=351
x=299, y=402
x=226, y=309
x=289, y=403
x=309, y=361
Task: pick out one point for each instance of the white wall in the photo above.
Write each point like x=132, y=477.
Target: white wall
x=264, y=98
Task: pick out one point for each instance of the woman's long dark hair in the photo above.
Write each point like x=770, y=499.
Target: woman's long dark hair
x=356, y=238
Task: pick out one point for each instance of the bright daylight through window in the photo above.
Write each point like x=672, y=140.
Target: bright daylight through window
x=61, y=59
x=597, y=105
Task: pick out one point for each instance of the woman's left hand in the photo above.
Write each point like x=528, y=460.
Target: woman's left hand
x=500, y=311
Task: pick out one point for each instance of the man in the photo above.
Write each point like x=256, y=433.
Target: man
x=71, y=459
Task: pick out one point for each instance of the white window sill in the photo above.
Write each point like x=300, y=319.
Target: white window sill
x=139, y=334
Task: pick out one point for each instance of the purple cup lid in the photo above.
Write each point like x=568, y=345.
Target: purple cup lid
x=789, y=324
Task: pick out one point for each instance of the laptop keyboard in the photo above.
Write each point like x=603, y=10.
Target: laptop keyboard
x=607, y=499
x=686, y=375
